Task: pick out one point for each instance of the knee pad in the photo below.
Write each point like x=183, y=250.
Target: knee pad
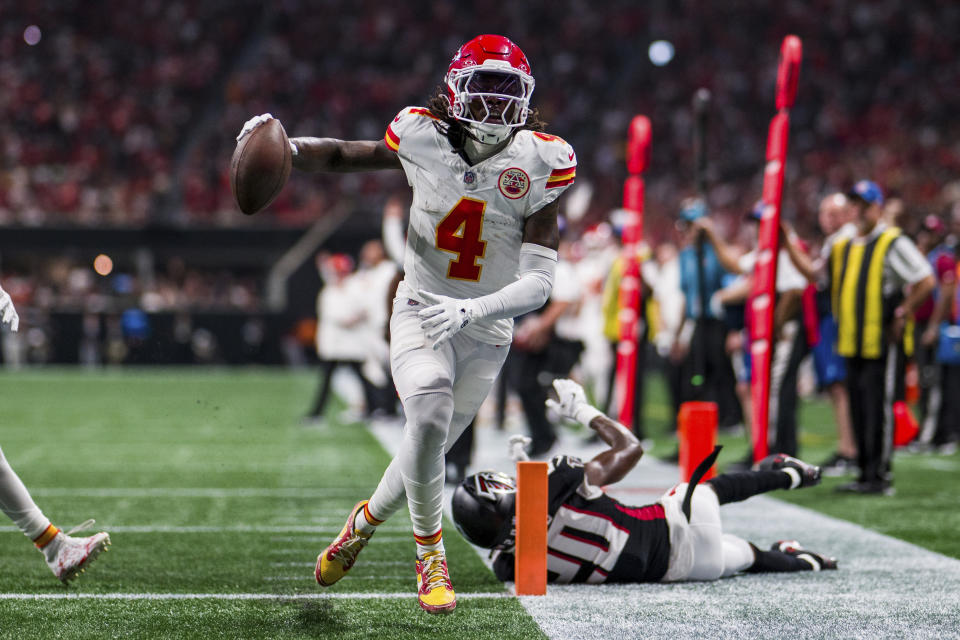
x=428, y=417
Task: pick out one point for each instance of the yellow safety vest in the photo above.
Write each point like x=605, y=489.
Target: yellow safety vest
x=610, y=305
x=857, y=296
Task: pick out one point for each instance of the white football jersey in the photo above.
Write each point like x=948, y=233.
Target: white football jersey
x=466, y=221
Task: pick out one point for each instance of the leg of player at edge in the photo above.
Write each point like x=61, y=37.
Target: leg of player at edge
x=66, y=555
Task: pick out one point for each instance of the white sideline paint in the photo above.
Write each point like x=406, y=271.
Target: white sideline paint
x=373, y=595
x=884, y=588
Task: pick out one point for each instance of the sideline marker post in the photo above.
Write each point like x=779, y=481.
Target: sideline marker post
x=762, y=297
x=697, y=428
x=628, y=300
x=530, y=560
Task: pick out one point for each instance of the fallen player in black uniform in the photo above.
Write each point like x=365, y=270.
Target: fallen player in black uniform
x=594, y=538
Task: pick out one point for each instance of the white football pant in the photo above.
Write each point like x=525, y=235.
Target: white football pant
x=441, y=392
x=16, y=502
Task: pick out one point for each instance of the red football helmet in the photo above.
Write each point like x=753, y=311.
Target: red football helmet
x=489, y=84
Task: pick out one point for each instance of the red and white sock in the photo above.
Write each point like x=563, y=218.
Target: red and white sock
x=428, y=543
x=365, y=523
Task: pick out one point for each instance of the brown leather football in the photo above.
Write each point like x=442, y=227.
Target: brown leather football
x=260, y=166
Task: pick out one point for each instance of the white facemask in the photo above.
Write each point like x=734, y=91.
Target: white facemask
x=489, y=137
x=490, y=134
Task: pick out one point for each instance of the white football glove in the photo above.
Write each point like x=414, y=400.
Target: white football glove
x=518, y=447
x=255, y=122
x=572, y=402
x=8, y=315
x=445, y=317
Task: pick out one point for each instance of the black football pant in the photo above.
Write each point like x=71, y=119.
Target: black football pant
x=708, y=373
x=873, y=386
x=327, y=368
x=788, y=353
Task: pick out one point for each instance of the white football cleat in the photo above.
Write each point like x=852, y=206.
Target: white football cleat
x=73, y=555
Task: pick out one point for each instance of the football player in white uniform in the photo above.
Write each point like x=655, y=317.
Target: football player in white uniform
x=65, y=555
x=481, y=249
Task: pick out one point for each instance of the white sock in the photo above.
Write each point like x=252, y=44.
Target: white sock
x=15, y=501
x=389, y=496
x=421, y=464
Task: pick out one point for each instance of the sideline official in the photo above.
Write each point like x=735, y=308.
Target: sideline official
x=878, y=279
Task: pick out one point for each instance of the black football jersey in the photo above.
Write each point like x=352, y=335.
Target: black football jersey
x=592, y=537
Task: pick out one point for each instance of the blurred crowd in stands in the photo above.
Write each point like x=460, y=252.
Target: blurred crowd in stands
x=125, y=114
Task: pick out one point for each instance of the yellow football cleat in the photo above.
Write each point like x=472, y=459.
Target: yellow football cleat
x=434, y=590
x=337, y=559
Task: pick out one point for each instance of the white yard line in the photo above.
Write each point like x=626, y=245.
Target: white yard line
x=309, y=534
x=366, y=563
x=373, y=595
x=195, y=492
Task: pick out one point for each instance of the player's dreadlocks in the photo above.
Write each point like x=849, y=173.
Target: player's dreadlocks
x=457, y=134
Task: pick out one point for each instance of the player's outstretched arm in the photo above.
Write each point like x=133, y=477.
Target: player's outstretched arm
x=330, y=154
x=625, y=450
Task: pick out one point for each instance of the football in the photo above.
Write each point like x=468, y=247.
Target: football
x=260, y=166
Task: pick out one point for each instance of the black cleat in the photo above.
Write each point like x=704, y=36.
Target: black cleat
x=817, y=562
x=870, y=487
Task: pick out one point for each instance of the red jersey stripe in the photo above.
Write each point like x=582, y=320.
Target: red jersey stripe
x=420, y=111
x=392, y=139
x=559, y=183
x=563, y=173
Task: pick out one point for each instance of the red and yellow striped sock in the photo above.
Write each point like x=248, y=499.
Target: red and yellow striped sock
x=369, y=516
x=365, y=523
x=432, y=542
x=46, y=537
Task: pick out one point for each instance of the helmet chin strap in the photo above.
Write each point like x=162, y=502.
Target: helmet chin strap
x=487, y=139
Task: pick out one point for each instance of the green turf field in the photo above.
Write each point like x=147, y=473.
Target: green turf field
x=209, y=485
x=218, y=501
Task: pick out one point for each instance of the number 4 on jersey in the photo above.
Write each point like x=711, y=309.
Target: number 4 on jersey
x=459, y=233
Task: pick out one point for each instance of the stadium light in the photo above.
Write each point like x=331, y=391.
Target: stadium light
x=660, y=52
x=32, y=35
x=103, y=264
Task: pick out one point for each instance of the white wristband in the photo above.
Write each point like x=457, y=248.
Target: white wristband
x=585, y=414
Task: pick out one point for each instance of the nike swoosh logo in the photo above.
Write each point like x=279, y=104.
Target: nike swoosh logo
x=571, y=155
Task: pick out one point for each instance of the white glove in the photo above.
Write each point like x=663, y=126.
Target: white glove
x=518, y=447
x=572, y=402
x=255, y=122
x=8, y=315
x=445, y=317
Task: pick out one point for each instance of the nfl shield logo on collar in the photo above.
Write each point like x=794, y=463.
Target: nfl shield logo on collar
x=470, y=179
